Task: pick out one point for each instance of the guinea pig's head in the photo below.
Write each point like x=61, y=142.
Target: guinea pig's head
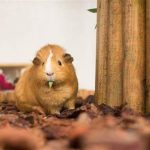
x=53, y=64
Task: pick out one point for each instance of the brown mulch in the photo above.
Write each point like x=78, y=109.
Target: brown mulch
x=88, y=127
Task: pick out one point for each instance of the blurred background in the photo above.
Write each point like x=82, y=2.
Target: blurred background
x=27, y=25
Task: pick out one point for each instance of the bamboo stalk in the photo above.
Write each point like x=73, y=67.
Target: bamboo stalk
x=115, y=54
x=148, y=55
x=101, y=51
x=134, y=53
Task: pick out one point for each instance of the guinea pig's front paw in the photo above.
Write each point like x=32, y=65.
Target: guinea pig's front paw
x=54, y=111
x=38, y=110
x=70, y=104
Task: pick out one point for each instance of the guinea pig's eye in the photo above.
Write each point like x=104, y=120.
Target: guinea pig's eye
x=59, y=63
x=43, y=63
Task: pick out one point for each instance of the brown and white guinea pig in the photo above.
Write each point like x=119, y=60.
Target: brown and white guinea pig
x=49, y=84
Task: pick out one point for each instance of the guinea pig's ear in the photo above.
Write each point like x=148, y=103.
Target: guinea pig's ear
x=36, y=61
x=68, y=58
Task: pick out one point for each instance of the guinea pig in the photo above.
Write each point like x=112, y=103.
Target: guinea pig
x=49, y=84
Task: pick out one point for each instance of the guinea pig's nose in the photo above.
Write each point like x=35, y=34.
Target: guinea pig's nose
x=49, y=74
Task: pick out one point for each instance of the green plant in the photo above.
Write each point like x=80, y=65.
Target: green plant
x=93, y=10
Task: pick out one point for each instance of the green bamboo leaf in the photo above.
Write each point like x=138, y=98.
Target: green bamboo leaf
x=93, y=10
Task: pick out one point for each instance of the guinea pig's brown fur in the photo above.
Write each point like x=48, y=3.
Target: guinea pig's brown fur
x=33, y=91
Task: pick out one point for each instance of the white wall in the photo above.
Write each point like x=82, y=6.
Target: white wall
x=26, y=25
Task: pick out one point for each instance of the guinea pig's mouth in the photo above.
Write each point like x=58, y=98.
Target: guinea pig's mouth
x=50, y=76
